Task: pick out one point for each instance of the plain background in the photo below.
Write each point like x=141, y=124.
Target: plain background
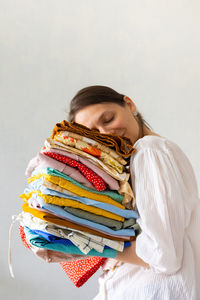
x=148, y=50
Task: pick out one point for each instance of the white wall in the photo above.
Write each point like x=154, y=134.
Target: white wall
x=49, y=49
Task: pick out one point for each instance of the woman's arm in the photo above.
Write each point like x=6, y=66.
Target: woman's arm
x=129, y=256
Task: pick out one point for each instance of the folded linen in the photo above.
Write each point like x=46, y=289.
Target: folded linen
x=34, y=195
x=84, y=146
x=122, y=145
x=49, y=188
x=110, y=181
x=77, y=188
x=37, y=241
x=43, y=215
x=42, y=161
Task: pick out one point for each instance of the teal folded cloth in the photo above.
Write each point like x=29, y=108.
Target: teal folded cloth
x=38, y=241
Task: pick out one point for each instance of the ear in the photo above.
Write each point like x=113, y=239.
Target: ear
x=130, y=103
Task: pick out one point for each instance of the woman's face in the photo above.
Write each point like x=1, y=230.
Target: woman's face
x=110, y=118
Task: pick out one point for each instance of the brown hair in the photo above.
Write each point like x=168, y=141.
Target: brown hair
x=97, y=94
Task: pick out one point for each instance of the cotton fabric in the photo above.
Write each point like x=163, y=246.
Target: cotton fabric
x=40, y=184
x=38, y=241
x=79, y=270
x=92, y=150
x=91, y=176
x=62, y=222
x=110, y=181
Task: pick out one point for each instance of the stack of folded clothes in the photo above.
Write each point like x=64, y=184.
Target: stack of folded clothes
x=78, y=199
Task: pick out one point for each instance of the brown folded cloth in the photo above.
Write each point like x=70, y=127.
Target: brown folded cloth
x=121, y=145
x=62, y=222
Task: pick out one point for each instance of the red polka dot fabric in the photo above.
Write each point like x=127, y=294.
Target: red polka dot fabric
x=23, y=237
x=79, y=271
x=91, y=176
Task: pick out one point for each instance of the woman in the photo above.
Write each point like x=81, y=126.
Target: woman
x=164, y=261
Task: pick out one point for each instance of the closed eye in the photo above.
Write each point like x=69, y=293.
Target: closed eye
x=108, y=121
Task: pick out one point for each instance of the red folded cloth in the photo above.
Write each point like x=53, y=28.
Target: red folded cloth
x=79, y=271
x=95, y=179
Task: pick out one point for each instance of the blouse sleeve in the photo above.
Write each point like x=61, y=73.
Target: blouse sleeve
x=159, y=190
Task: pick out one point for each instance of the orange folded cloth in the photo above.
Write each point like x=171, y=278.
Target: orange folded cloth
x=121, y=145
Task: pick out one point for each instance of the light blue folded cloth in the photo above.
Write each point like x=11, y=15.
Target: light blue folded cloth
x=37, y=185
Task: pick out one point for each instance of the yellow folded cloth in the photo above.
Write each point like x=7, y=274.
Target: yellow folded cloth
x=76, y=189
x=72, y=203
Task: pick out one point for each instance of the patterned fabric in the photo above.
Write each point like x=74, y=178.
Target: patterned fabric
x=40, y=242
x=96, y=180
x=112, y=183
x=26, y=219
x=100, y=164
x=96, y=242
x=42, y=161
x=79, y=271
x=92, y=150
x=121, y=145
x=95, y=144
x=125, y=189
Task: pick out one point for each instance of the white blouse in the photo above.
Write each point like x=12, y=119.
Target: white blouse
x=169, y=207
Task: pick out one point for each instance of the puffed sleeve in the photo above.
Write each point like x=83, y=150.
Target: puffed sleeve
x=160, y=191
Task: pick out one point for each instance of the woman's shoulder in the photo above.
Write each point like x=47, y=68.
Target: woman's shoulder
x=161, y=150
x=156, y=143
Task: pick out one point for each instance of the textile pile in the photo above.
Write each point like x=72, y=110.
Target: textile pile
x=78, y=206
